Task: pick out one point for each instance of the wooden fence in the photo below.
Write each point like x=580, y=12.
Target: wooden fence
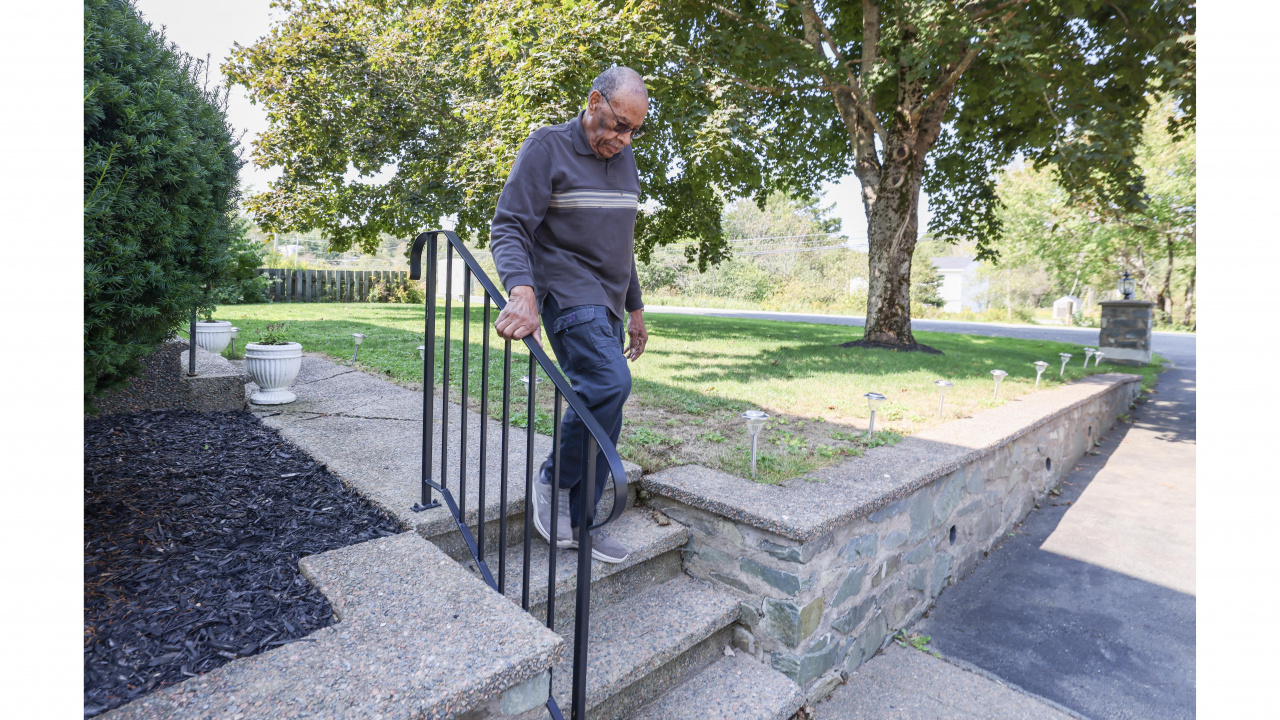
x=326, y=285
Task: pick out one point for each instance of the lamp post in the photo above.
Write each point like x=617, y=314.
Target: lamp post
x=359, y=338
x=1041, y=366
x=873, y=401
x=943, y=386
x=997, y=375
x=1065, y=357
x=1097, y=358
x=755, y=423
x=235, y=333
x=1088, y=353
x=1126, y=286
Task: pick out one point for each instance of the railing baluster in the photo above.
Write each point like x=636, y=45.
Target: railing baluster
x=528, y=483
x=582, y=614
x=555, y=513
x=484, y=422
x=444, y=374
x=502, y=497
x=465, y=386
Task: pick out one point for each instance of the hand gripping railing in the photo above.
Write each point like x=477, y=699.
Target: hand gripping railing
x=598, y=443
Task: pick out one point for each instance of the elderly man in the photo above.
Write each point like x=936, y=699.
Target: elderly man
x=563, y=243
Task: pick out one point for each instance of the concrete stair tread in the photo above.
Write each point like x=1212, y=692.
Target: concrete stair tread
x=380, y=455
x=631, y=639
x=634, y=528
x=732, y=688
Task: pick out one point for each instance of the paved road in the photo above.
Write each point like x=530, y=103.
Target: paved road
x=1179, y=348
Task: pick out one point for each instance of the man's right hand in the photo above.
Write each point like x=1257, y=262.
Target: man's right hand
x=520, y=317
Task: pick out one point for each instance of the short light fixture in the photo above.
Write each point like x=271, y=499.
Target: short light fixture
x=235, y=332
x=1126, y=286
x=873, y=401
x=359, y=338
x=997, y=375
x=1088, y=353
x=1097, y=358
x=1041, y=366
x=536, y=381
x=943, y=386
x=1065, y=358
x=755, y=423
x=422, y=352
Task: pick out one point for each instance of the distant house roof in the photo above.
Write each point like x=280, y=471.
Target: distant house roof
x=952, y=263
x=1071, y=298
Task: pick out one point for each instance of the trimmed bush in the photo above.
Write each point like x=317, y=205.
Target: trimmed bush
x=160, y=189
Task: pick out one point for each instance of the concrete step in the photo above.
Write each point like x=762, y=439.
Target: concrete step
x=648, y=643
x=732, y=688
x=380, y=452
x=654, y=558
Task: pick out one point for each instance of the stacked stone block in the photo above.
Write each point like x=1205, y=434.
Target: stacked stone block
x=1125, y=337
x=816, y=609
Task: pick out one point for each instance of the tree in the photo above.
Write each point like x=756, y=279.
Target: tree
x=912, y=94
x=160, y=187
x=748, y=97
x=1082, y=243
x=439, y=95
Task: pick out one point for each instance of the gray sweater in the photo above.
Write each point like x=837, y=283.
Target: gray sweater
x=566, y=222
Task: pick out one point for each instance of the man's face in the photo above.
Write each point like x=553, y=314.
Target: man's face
x=601, y=121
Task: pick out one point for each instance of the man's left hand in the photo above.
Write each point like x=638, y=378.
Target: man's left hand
x=638, y=335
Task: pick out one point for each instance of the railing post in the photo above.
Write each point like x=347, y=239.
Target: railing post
x=429, y=381
x=191, y=351
x=484, y=422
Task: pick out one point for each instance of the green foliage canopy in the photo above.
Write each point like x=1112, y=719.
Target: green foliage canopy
x=160, y=183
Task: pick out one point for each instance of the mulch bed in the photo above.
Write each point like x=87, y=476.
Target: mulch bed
x=193, y=527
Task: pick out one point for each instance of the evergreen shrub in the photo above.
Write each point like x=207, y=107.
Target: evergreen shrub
x=160, y=190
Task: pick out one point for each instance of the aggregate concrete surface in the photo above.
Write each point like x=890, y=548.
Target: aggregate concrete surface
x=907, y=684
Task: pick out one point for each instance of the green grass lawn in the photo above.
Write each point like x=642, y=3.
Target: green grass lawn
x=699, y=373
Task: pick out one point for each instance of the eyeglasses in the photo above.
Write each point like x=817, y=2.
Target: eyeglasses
x=620, y=127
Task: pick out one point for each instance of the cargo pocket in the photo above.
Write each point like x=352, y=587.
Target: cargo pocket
x=583, y=333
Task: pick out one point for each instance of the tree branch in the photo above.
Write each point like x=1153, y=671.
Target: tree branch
x=969, y=56
x=814, y=23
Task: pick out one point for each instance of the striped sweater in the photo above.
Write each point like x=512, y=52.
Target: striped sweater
x=565, y=223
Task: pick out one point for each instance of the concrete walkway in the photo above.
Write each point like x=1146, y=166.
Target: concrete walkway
x=1090, y=606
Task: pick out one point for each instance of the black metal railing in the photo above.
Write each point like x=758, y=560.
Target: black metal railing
x=598, y=443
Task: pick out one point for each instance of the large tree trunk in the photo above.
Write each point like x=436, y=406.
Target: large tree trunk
x=891, y=234
x=1165, y=299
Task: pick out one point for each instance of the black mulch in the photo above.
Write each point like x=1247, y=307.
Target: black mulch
x=193, y=527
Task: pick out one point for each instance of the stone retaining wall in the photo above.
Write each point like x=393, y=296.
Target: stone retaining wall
x=1125, y=337
x=818, y=602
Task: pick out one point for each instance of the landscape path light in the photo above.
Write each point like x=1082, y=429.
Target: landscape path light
x=1088, y=353
x=1065, y=357
x=359, y=338
x=1041, y=366
x=943, y=386
x=755, y=423
x=1097, y=358
x=873, y=401
x=536, y=381
x=422, y=353
x=235, y=332
x=998, y=375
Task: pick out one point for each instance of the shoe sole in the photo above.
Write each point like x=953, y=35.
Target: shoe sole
x=599, y=555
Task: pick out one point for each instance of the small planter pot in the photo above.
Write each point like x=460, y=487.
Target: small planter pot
x=273, y=368
x=213, y=336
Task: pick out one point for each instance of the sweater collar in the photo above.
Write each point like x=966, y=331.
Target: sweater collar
x=580, y=137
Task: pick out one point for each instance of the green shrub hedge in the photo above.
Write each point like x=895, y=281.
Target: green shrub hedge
x=160, y=190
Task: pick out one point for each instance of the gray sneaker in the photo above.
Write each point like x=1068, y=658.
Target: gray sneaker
x=603, y=547
x=542, y=515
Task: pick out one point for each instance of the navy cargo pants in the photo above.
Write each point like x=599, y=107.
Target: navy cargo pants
x=587, y=342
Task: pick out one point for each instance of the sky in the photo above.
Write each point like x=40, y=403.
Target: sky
x=206, y=27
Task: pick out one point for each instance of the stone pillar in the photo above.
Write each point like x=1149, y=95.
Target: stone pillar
x=1125, y=338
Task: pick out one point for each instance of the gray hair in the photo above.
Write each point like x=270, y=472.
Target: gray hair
x=619, y=80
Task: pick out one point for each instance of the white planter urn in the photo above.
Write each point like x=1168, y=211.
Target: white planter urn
x=213, y=336
x=273, y=368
